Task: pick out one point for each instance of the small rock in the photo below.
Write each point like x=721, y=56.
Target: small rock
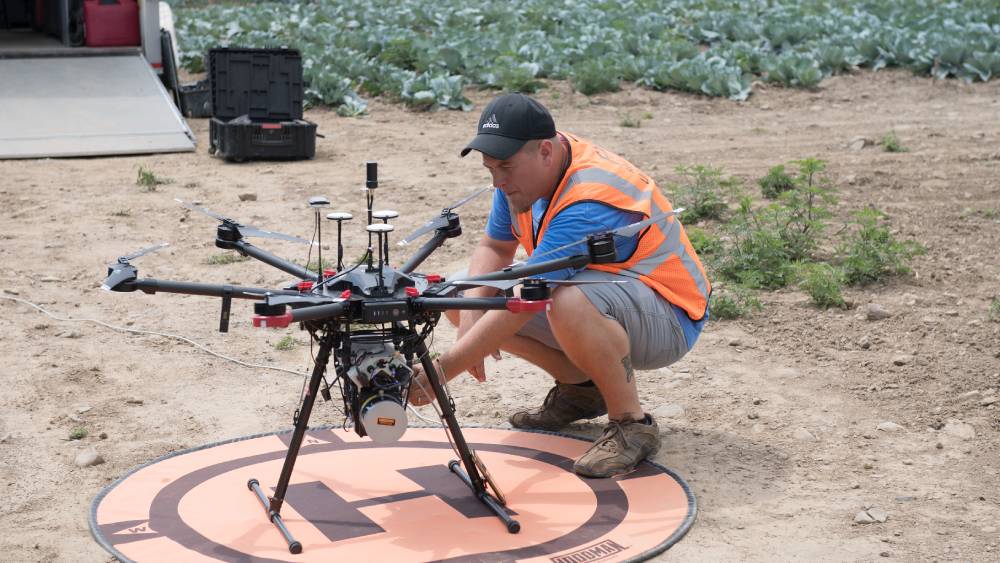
x=133, y=401
x=735, y=342
x=888, y=427
x=752, y=415
x=907, y=462
x=669, y=411
x=850, y=179
x=863, y=518
x=865, y=342
x=83, y=408
x=803, y=435
x=878, y=514
x=987, y=401
x=885, y=554
x=88, y=457
x=757, y=400
x=858, y=143
x=249, y=196
x=5, y=438
x=49, y=279
x=902, y=360
x=11, y=291
x=103, y=436
x=876, y=312
x=868, y=466
x=958, y=429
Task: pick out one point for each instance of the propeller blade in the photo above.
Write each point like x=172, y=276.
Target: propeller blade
x=211, y=214
x=442, y=220
x=118, y=275
x=249, y=231
x=634, y=228
x=245, y=230
x=469, y=198
x=427, y=227
x=499, y=284
x=507, y=284
x=625, y=231
x=143, y=252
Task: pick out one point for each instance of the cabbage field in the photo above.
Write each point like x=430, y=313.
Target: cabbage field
x=425, y=52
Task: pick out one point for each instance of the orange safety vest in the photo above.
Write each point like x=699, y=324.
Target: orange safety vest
x=664, y=258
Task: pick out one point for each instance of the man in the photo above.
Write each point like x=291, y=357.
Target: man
x=553, y=189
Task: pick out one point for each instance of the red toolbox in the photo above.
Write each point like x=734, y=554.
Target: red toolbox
x=111, y=23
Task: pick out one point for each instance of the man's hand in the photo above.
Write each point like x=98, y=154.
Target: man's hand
x=421, y=392
x=467, y=318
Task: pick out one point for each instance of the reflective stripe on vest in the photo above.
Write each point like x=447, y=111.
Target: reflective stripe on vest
x=664, y=259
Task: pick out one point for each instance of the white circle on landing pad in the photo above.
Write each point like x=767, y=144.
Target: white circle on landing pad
x=351, y=499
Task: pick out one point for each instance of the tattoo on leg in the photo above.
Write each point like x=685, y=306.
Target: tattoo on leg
x=627, y=363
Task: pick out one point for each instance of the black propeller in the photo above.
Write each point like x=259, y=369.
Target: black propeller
x=441, y=220
x=244, y=229
x=507, y=284
x=121, y=270
x=625, y=231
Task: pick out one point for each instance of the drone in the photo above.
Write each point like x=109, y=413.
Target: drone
x=374, y=321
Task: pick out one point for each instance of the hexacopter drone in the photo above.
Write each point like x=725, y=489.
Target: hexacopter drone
x=374, y=320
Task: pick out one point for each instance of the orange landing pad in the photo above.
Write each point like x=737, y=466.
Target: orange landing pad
x=353, y=500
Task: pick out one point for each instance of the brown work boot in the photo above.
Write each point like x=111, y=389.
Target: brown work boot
x=621, y=448
x=564, y=404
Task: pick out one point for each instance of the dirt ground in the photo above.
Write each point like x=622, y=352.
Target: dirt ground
x=773, y=418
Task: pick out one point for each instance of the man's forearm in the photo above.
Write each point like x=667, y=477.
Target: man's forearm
x=485, y=336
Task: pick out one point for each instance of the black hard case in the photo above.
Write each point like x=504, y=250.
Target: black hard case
x=257, y=105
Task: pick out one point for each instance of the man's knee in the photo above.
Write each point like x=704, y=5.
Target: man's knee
x=568, y=302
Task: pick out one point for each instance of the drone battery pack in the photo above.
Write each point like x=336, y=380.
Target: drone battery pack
x=240, y=139
x=257, y=105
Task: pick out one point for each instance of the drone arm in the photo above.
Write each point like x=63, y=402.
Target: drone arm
x=150, y=285
x=459, y=303
x=248, y=249
x=319, y=312
x=429, y=247
x=518, y=272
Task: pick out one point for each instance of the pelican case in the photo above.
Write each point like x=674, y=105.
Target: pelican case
x=257, y=105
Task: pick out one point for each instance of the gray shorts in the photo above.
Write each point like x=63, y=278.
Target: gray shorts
x=656, y=338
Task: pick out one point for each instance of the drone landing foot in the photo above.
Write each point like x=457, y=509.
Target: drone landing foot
x=293, y=545
x=513, y=526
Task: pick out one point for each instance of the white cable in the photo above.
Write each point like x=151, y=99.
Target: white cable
x=222, y=356
x=154, y=333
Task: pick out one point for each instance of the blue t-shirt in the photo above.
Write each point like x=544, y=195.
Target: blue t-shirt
x=572, y=224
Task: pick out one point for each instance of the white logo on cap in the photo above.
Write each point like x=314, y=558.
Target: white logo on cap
x=491, y=123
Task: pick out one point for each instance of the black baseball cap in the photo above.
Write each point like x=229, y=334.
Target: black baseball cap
x=507, y=123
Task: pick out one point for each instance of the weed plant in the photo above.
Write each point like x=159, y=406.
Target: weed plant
x=78, y=433
x=823, y=283
x=226, y=258
x=630, y=121
x=148, y=180
x=732, y=302
x=994, y=314
x=890, y=143
x=871, y=252
x=703, y=192
x=286, y=343
x=776, y=182
x=705, y=243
